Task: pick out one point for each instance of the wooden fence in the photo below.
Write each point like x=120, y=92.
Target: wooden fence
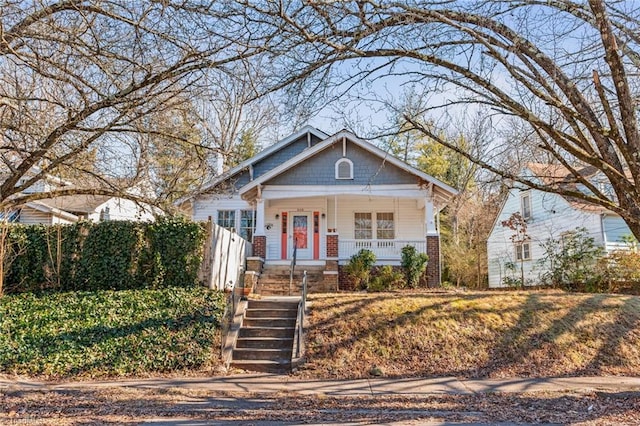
x=225, y=255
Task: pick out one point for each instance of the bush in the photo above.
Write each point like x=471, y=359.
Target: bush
x=622, y=271
x=386, y=278
x=114, y=255
x=359, y=268
x=572, y=262
x=414, y=265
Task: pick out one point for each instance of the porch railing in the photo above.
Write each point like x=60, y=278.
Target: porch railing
x=302, y=306
x=383, y=249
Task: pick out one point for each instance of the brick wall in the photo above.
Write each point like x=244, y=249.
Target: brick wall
x=433, y=267
x=260, y=246
x=332, y=245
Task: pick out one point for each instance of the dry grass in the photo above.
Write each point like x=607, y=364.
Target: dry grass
x=481, y=334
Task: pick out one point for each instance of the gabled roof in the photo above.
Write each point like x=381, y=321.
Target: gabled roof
x=38, y=205
x=560, y=176
x=81, y=203
x=383, y=155
x=263, y=154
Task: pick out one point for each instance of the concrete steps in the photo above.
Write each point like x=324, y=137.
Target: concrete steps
x=274, y=279
x=265, y=339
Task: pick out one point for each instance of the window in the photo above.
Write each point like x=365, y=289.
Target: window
x=384, y=226
x=246, y=224
x=523, y=251
x=363, y=226
x=525, y=201
x=227, y=219
x=344, y=169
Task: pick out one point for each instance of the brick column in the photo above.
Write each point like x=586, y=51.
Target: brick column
x=332, y=245
x=433, y=266
x=260, y=246
x=331, y=276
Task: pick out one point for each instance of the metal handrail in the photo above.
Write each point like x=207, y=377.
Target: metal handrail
x=301, y=312
x=293, y=264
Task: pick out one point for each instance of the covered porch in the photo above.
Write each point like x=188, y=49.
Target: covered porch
x=326, y=226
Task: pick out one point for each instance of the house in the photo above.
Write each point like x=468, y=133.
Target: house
x=72, y=208
x=547, y=215
x=323, y=198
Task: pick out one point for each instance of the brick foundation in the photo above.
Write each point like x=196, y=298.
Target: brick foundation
x=433, y=266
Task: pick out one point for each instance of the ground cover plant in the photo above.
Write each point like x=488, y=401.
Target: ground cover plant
x=474, y=334
x=110, y=333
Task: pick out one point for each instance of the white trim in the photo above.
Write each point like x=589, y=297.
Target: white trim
x=274, y=192
x=54, y=211
x=363, y=144
x=337, y=169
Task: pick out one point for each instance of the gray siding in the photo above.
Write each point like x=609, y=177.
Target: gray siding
x=274, y=160
x=367, y=169
x=280, y=156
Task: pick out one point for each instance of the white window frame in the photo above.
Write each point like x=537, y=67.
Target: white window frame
x=337, y=169
x=235, y=218
x=393, y=226
x=355, y=229
x=373, y=216
x=525, y=205
x=521, y=253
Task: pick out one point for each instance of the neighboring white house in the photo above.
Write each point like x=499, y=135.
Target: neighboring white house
x=548, y=216
x=327, y=197
x=72, y=208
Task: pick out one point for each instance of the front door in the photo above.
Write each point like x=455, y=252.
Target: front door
x=301, y=234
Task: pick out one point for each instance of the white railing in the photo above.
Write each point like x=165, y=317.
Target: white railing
x=383, y=249
x=614, y=246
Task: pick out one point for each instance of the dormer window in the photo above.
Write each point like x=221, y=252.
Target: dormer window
x=344, y=169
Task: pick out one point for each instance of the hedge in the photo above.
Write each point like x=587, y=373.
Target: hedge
x=112, y=255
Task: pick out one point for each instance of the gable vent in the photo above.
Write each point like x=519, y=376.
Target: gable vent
x=344, y=169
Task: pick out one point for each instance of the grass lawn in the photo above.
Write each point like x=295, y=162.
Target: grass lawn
x=478, y=334
x=110, y=333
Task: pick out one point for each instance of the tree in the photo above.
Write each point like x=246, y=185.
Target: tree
x=84, y=78
x=565, y=72
x=234, y=112
x=518, y=225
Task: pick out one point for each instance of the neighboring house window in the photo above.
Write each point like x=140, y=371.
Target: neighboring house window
x=246, y=224
x=227, y=219
x=344, y=169
x=525, y=201
x=523, y=251
x=10, y=216
x=385, y=226
x=363, y=226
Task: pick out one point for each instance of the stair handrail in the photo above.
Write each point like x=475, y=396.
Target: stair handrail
x=293, y=263
x=301, y=314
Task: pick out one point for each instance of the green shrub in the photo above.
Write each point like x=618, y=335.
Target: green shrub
x=386, y=278
x=572, y=262
x=359, y=268
x=414, y=264
x=113, y=255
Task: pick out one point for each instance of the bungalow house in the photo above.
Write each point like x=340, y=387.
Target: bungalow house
x=323, y=198
x=547, y=216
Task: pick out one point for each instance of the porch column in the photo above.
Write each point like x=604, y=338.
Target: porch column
x=259, y=237
x=433, y=245
x=332, y=270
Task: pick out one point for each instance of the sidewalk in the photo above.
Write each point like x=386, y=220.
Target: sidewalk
x=266, y=383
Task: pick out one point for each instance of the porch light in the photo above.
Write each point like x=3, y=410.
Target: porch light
x=323, y=215
x=277, y=216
